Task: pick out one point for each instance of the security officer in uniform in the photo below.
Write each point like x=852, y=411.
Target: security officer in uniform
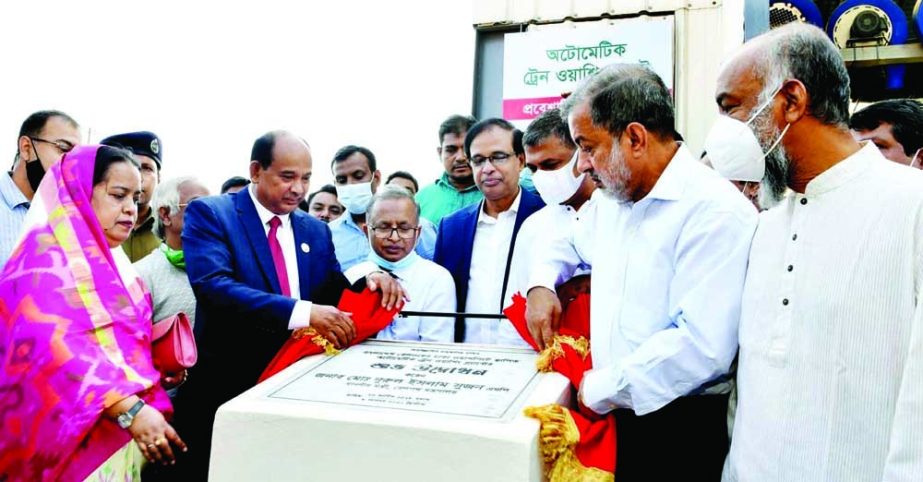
x=147, y=149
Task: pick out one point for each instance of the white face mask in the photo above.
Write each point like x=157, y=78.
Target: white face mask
x=558, y=186
x=734, y=150
x=356, y=197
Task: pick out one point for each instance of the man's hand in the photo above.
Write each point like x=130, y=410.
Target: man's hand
x=569, y=290
x=334, y=325
x=392, y=293
x=543, y=314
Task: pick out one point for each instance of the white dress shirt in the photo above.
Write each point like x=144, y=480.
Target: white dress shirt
x=489, y=254
x=13, y=208
x=830, y=377
x=301, y=313
x=551, y=221
x=430, y=288
x=668, y=273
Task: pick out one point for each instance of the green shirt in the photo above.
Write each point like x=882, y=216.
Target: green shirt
x=142, y=241
x=440, y=199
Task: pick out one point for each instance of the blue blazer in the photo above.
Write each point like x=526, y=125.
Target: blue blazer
x=241, y=317
x=456, y=240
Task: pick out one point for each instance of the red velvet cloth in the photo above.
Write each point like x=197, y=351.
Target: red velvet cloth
x=597, y=441
x=367, y=314
x=596, y=447
x=575, y=322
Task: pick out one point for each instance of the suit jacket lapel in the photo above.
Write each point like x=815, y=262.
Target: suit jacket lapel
x=469, y=228
x=300, y=229
x=527, y=205
x=257, y=237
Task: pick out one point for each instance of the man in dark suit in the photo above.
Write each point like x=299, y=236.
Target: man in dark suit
x=477, y=243
x=260, y=268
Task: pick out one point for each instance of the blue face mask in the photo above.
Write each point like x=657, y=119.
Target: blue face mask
x=390, y=265
x=393, y=265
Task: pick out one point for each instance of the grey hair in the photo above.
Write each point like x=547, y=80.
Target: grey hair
x=390, y=192
x=803, y=52
x=592, y=86
x=620, y=94
x=637, y=96
x=549, y=124
x=167, y=195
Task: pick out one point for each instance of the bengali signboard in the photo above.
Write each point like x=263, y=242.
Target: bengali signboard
x=538, y=66
x=483, y=383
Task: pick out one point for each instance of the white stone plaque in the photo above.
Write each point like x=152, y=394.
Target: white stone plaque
x=419, y=377
x=449, y=424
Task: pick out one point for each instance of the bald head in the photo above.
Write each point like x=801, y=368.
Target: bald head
x=796, y=51
x=272, y=143
x=280, y=170
x=287, y=144
x=791, y=86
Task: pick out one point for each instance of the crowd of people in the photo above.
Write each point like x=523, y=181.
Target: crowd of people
x=754, y=306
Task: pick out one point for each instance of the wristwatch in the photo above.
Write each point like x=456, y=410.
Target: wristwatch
x=124, y=419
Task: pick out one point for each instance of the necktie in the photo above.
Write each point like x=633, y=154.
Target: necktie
x=278, y=259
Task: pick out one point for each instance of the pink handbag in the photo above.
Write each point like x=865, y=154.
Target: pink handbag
x=173, y=347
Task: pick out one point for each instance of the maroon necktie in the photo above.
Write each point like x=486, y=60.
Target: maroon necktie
x=278, y=259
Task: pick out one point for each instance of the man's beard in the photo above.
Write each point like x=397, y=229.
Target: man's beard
x=615, y=176
x=778, y=166
x=462, y=180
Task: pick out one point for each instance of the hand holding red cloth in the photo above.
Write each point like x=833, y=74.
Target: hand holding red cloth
x=576, y=445
x=367, y=314
x=569, y=352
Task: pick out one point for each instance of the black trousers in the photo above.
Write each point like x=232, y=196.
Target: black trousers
x=685, y=440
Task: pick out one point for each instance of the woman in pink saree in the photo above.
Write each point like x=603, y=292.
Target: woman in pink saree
x=75, y=333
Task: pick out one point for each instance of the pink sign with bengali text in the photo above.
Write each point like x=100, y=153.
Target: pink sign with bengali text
x=525, y=109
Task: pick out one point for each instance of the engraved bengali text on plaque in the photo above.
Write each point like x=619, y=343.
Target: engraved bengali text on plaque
x=482, y=383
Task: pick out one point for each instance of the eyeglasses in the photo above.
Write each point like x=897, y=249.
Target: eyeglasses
x=497, y=159
x=403, y=232
x=62, y=146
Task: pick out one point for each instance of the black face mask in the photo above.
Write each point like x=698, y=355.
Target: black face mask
x=35, y=171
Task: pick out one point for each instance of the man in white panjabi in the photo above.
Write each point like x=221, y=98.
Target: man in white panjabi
x=393, y=229
x=830, y=379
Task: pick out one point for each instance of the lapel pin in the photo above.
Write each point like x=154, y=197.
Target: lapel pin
x=305, y=248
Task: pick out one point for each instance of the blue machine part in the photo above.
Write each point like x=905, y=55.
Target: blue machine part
x=786, y=11
x=851, y=10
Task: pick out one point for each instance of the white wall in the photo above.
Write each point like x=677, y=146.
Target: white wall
x=209, y=77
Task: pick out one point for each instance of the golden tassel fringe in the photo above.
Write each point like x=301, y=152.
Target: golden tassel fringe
x=557, y=438
x=555, y=350
x=318, y=340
